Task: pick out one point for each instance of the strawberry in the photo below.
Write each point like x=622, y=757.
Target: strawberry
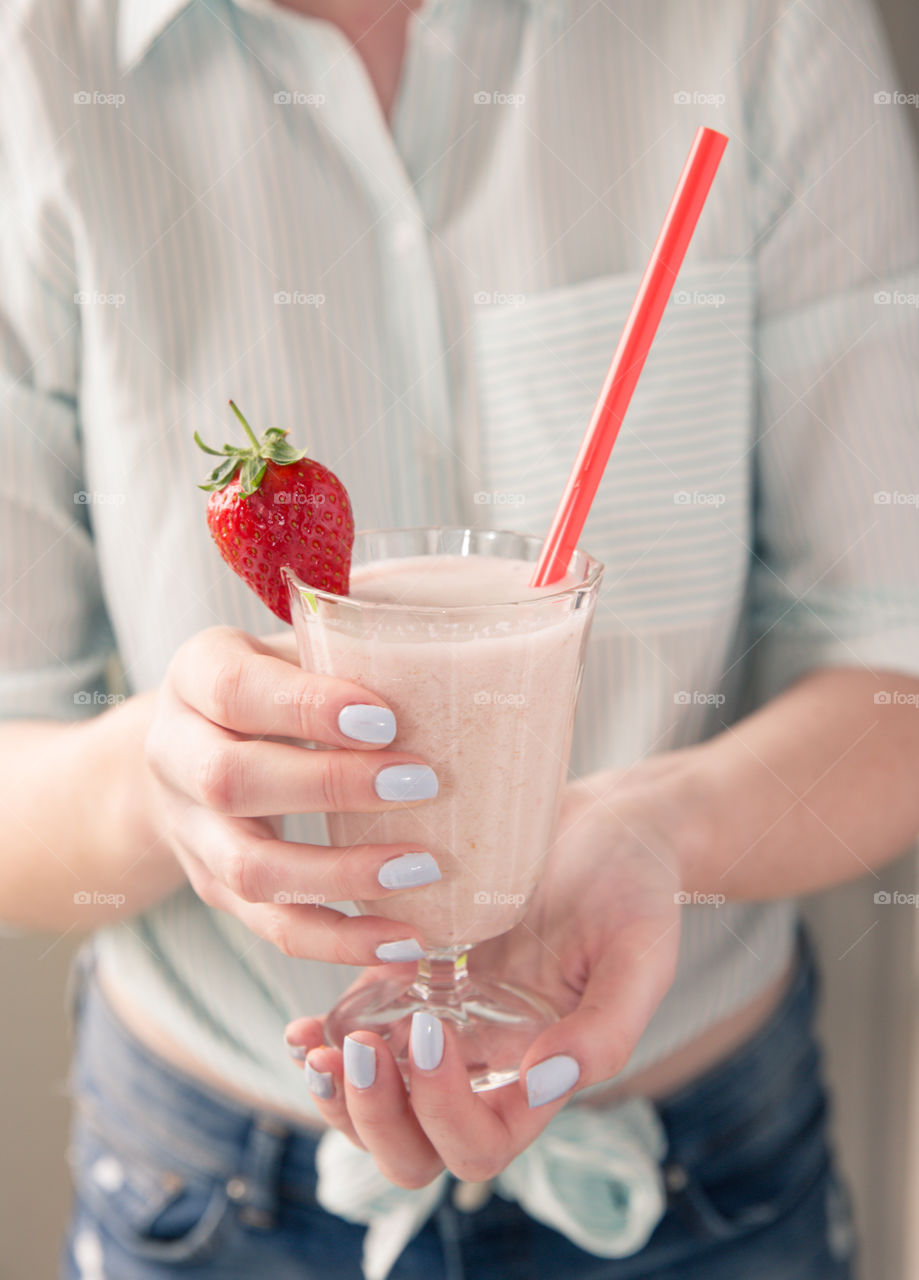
x=271, y=506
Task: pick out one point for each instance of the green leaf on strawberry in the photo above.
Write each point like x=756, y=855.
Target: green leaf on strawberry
x=271, y=506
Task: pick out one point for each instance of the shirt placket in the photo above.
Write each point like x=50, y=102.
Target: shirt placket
x=417, y=375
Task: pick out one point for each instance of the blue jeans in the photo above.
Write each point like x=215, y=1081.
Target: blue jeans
x=172, y=1178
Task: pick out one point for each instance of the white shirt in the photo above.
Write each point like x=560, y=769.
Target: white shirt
x=203, y=200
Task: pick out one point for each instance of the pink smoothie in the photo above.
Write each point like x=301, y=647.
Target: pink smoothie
x=488, y=702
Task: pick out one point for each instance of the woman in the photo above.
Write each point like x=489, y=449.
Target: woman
x=411, y=234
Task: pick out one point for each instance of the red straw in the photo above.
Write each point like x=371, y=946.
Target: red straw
x=634, y=345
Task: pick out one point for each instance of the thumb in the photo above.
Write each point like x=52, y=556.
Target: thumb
x=630, y=977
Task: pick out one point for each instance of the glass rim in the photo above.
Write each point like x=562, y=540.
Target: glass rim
x=593, y=570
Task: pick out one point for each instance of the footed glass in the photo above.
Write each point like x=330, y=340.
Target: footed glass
x=485, y=693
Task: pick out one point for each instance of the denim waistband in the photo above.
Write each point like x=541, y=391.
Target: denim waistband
x=119, y=1080
x=781, y=1057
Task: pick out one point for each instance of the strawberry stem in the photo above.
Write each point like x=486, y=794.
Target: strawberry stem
x=248, y=430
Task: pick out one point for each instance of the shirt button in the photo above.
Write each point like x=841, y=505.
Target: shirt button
x=406, y=237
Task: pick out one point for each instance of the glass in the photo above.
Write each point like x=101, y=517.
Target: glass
x=485, y=694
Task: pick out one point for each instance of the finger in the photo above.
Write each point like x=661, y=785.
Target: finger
x=254, y=864
x=250, y=778
x=234, y=681
x=325, y=1080
x=300, y=1036
x=474, y=1138
x=595, y=1042
x=381, y=1114
x=314, y=932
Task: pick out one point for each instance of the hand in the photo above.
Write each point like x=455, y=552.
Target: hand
x=600, y=940
x=214, y=773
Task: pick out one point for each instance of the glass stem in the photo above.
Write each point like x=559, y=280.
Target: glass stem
x=442, y=975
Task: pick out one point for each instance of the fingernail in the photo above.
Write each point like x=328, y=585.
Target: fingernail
x=360, y=1063
x=406, y=782
x=427, y=1040
x=320, y=1082
x=409, y=871
x=550, y=1079
x=401, y=949
x=365, y=723
x=296, y=1051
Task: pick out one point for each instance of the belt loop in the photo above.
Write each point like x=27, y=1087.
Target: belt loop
x=448, y=1228
x=256, y=1187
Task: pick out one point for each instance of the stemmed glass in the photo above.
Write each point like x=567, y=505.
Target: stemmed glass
x=486, y=695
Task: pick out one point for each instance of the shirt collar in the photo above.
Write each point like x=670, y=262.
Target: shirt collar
x=142, y=22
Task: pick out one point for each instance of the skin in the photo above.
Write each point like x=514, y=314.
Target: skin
x=174, y=784
x=815, y=788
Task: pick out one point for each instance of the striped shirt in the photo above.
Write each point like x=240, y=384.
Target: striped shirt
x=203, y=199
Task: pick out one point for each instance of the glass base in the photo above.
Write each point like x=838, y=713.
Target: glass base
x=493, y=1022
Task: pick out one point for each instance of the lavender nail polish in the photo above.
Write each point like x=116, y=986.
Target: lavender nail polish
x=548, y=1080
x=404, y=782
x=427, y=1040
x=410, y=871
x=360, y=1063
x=400, y=950
x=320, y=1082
x=365, y=723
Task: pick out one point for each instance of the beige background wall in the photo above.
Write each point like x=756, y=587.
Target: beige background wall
x=871, y=964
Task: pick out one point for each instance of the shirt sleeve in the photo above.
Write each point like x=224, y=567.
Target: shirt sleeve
x=55, y=637
x=836, y=529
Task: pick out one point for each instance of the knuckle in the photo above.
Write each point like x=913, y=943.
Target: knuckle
x=154, y=748
x=219, y=783
x=279, y=933
x=243, y=874
x=223, y=696
x=204, y=885
x=333, y=782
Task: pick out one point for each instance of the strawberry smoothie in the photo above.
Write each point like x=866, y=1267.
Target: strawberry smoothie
x=486, y=696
